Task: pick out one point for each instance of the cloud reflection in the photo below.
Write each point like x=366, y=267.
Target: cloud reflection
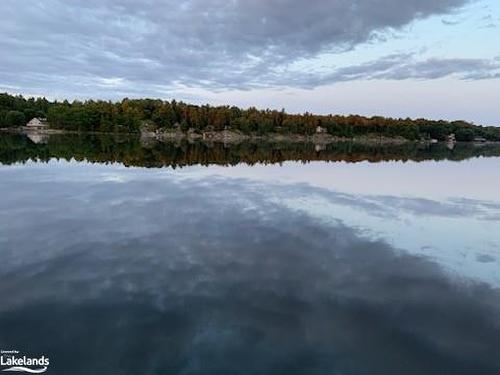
x=167, y=275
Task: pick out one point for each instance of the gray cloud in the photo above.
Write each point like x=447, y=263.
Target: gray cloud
x=149, y=46
x=399, y=67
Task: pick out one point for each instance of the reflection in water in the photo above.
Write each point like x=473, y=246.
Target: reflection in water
x=127, y=271
x=132, y=151
x=37, y=138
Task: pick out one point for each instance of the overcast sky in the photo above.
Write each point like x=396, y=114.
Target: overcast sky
x=417, y=58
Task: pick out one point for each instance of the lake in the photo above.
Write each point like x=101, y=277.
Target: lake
x=125, y=256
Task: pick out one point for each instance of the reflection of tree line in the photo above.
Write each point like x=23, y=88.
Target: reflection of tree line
x=130, y=152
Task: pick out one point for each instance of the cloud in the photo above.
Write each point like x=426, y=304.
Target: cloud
x=450, y=22
x=400, y=67
x=195, y=43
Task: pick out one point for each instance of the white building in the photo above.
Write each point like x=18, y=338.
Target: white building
x=37, y=123
x=321, y=130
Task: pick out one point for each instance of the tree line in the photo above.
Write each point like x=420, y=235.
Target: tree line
x=130, y=115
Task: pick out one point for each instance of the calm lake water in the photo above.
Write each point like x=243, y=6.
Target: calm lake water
x=242, y=262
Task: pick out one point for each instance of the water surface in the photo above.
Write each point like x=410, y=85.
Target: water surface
x=256, y=268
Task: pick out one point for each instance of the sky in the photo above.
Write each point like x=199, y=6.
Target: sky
x=437, y=59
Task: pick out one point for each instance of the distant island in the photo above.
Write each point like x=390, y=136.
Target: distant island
x=171, y=119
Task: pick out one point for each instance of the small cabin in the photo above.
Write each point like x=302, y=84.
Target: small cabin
x=321, y=130
x=37, y=123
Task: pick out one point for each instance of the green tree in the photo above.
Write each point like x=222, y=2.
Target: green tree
x=464, y=135
x=15, y=118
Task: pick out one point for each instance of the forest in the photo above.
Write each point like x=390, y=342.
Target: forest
x=130, y=115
